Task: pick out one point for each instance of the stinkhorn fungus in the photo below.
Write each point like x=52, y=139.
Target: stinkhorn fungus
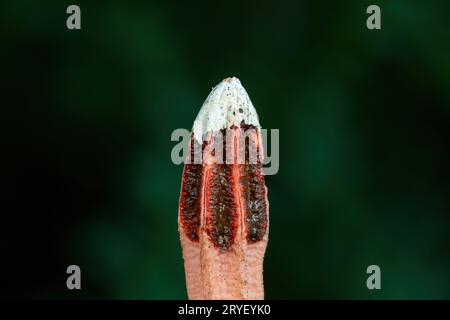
x=223, y=213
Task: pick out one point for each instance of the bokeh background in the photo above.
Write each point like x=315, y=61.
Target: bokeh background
x=364, y=119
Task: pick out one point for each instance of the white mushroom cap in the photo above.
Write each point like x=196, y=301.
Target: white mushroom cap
x=228, y=104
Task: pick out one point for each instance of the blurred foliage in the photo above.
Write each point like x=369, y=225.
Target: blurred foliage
x=364, y=119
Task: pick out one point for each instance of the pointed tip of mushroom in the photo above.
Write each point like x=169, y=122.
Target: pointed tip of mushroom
x=227, y=105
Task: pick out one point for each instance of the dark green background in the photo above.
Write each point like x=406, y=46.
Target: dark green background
x=364, y=119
